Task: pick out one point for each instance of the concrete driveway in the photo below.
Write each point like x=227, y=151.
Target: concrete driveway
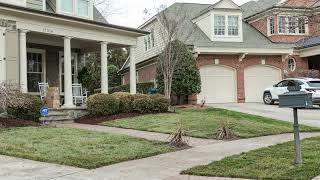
x=309, y=117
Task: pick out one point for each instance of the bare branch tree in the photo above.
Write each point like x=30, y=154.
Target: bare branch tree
x=106, y=7
x=172, y=23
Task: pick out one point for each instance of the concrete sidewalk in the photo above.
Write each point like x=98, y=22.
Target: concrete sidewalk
x=161, y=167
x=140, y=134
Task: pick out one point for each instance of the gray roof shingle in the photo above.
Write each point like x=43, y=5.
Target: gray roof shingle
x=252, y=38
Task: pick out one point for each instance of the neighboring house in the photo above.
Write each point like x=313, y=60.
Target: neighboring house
x=48, y=40
x=241, y=50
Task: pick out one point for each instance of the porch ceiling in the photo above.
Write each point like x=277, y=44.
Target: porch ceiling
x=54, y=40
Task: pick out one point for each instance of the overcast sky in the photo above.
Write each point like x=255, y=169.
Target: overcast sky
x=130, y=12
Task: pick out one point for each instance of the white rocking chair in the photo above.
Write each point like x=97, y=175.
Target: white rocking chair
x=79, y=95
x=43, y=89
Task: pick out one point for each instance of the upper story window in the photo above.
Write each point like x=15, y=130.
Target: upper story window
x=271, y=26
x=292, y=25
x=233, y=26
x=83, y=8
x=76, y=7
x=282, y=24
x=67, y=6
x=149, y=41
x=228, y=23
x=219, y=25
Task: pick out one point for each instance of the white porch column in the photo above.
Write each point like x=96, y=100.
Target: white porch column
x=3, y=73
x=68, y=102
x=133, y=78
x=23, y=61
x=104, y=68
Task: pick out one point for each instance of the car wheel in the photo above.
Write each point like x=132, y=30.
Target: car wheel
x=267, y=99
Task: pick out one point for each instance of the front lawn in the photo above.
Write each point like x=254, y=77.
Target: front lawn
x=74, y=147
x=204, y=123
x=275, y=162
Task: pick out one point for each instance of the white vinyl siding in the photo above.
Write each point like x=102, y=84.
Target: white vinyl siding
x=15, y=2
x=141, y=53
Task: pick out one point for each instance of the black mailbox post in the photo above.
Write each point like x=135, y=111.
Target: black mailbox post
x=296, y=99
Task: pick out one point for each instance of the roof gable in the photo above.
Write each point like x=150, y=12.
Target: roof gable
x=225, y=4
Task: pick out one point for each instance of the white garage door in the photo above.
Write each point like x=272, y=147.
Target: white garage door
x=218, y=84
x=257, y=78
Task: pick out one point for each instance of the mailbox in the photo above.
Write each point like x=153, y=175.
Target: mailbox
x=295, y=98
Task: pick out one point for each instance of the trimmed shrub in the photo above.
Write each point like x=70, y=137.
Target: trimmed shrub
x=125, y=101
x=103, y=104
x=160, y=103
x=142, y=103
x=28, y=107
x=141, y=88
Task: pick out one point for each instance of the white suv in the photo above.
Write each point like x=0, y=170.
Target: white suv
x=310, y=85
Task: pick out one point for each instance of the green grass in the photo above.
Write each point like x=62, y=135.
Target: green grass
x=203, y=123
x=275, y=162
x=74, y=147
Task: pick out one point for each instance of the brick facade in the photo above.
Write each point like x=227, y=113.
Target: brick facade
x=261, y=25
x=148, y=73
x=144, y=74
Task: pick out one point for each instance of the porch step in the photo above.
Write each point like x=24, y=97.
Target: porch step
x=63, y=115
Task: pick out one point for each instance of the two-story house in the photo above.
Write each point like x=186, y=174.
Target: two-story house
x=48, y=40
x=240, y=50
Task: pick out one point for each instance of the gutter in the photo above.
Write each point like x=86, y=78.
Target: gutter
x=25, y=9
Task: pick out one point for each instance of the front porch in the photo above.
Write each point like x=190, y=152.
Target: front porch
x=43, y=47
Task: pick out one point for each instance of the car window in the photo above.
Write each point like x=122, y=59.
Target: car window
x=299, y=82
x=292, y=83
x=314, y=83
x=283, y=83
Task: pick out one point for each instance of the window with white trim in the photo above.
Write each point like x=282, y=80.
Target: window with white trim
x=271, y=25
x=149, y=41
x=83, y=8
x=282, y=24
x=233, y=25
x=302, y=25
x=292, y=25
x=67, y=6
x=75, y=7
x=219, y=25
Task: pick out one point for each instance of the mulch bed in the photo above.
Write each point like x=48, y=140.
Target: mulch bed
x=97, y=120
x=11, y=123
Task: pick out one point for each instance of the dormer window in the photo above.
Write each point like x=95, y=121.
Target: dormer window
x=291, y=25
x=233, y=26
x=219, y=25
x=271, y=26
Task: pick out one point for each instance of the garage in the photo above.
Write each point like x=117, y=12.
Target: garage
x=218, y=84
x=257, y=78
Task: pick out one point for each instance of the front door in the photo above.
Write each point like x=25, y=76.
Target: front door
x=2, y=55
x=74, y=64
x=36, y=68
